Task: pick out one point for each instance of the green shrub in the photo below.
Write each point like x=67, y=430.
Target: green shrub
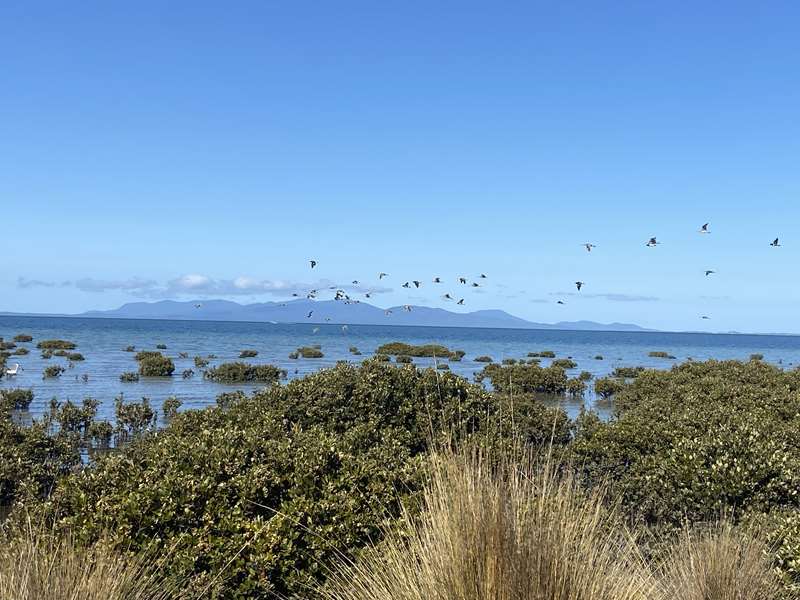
x=75, y=356
x=355, y=351
x=19, y=399
x=310, y=352
x=56, y=345
x=483, y=359
x=425, y=350
x=525, y=379
x=443, y=367
x=757, y=356
x=585, y=376
x=187, y=373
x=627, y=372
x=248, y=354
x=236, y=372
x=53, y=371
x=156, y=366
x=200, y=362
x=130, y=349
x=145, y=354
x=659, y=354
x=605, y=387
x=564, y=363
x=403, y=359
x=509, y=361
x=542, y=354
x=47, y=354
x=381, y=358
x=576, y=387
x=7, y=345
x=275, y=486
x=170, y=408
x=23, y=337
x=129, y=377
x=133, y=419
x=21, y=352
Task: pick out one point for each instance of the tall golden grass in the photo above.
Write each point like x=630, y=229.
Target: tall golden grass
x=37, y=564
x=529, y=531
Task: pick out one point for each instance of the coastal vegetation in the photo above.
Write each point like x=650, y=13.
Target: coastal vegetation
x=129, y=377
x=18, y=398
x=56, y=345
x=524, y=379
x=310, y=352
x=237, y=372
x=52, y=371
x=154, y=364
x=425, y=350
x=248, y=354
x=23, y=338
x=660, y=354
x=483, y=359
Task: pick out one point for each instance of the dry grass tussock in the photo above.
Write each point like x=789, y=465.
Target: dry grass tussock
x=37, y=564
x=508, y=532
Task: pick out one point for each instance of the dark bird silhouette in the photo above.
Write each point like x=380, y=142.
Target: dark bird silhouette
x=406, y=285
x=407, y=307
x=704, y=228
x=295, y=295
x=367, y=295
x=652, y=242
x=308, y=316
x=775, y=243
x=705, y=317
x=709, y=272
x=589, y=246
x=355, y=281
x=483, y=276
x=387, y=312
x=198, y=305
x=462, y=280
x=461, y=302
x=447, y=297
x=417, y=283
x=579, y=285
x=560, y=302
x=475, y=284
x=437, y=280
x=382, y=275
x=313, y=263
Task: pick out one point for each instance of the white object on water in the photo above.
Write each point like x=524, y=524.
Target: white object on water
x=13, y=370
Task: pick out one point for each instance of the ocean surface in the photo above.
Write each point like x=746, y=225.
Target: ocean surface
x=103, y=343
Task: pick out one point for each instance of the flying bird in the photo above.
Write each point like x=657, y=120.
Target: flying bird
x=579, y=285
x=652, y=242
x=589, y=246
x=437, y=280
x=462, y=280
x=407, y=307
x=475, y=284
x=709, y=272
x=447, y=297
x=406, y=285
x=775, y=243
x=417, y=283
x=355, y=281
x=560, y=302
x=308, y=316
x=704, y=228
x=461, y=302
x=313, y=263
x=483, y=276
x=382, y=275
x=198, y=305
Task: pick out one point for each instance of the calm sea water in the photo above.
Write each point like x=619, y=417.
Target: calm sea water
x=102, y=342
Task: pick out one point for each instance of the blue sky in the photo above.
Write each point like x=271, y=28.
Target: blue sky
x=208, y=149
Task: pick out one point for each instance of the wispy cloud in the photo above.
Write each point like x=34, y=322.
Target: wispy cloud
x=611, y=296
x=197, y=285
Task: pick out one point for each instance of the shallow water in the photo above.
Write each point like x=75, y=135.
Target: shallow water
x=102, y=342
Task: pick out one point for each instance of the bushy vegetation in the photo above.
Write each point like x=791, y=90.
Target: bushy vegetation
x=21, y=352
x=403, y=360
x=70, y=356
x=425, y=350
x=660, y=354
x=248, y=354
x=236, y=372
x=483, y=359
x=310, y=352
x=170, y=408
x=52, y=372
x=56, y=345
x=542, y=354
x=605, y=387
x=154, y=364
x=564, y=363
x=18, y=399
x=23, y=338
x=525, y=379
x=627, y=372
x=200, y=362
x=129, y=377
x=161, y=346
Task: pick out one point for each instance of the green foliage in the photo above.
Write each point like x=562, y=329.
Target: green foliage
x=145, y=354
x=7, y=345
x=21, y=352
x=156, y=366
x=627, y=372
x=52, y=371
x=47, y=354
x=564, y=363
x=274, y=486
x=425, y=350
x=757, y=356
x=605, y=387
x=248, y=354
x=310, y=352
x=200, y=362
x=403, y=360
x=23, y=337
x=576, y=387
x=56, y=345
x=129, y=377
x=381, y=358
x=70, y=356
x=170, y=408
x=237, y=372
x=542, y=354
x=585, y=376
x=19, y=399
x=443, y=367
x=354, y=351
x=483, y=359
x=294, y=355
x=660, y=354
x=187, y=373
x=525, y=379
x=130, y=349
x=133, y=418
x=509, y=361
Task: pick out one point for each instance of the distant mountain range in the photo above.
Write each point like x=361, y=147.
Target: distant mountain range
x=362, y=313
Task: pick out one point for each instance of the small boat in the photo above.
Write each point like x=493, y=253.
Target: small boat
x=10, y=372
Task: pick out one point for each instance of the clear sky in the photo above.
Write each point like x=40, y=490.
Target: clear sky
x=194, y=149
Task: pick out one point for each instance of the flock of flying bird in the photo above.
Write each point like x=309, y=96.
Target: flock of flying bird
x=340, y=294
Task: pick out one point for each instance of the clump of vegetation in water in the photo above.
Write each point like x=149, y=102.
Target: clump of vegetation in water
x=47, y=354
x=183, y=355
x=310, y=352
x=403, y=359
x=21, y=352
x=227, y=399
x=143, y=354
x=52, y=372
x=294, y=355
x=585, y=376
x=382, y=358
x=660, y=354
x=237, y=372
x=187, y=374
x=542, y=354
x=509, y=361
x=355, y=351
x=23, y=337
x=7, y=345
x=575, y=387
x=598, y=357
x=248, y=354
x=19, y=399
x=129, y=377
x=425, y=350
x=156, y=365
x=443, y=367
x=627, y=372
x=70, y=356
x=483, y=359
x=170, y=408
x=524, y=379
x=161, y=346
x=133, y=418
x=130, y=349
x=200, y=362
x=757, y=356
x=564, y=363
x=56, y=345
x=605, y=387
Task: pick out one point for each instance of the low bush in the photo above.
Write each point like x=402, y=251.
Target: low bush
x=294, y=355
x=236, y=372
x=443, y=367
x=130, y=349
x=200, y=362
x=576, y=387
x=627, y=372
x=605, y=387
x=156, y=366
x=564, y=363
x=757, y=356
x=145, y=354
x=187, y=373
x=598, y=357
x=23, y=337
x=483, y=359
x=19, y=399
x=248, y=354
x=52, y=371
x=7, y=345
x=21, y=352
x=509, y=361
x=129, y=377
x=170, y=408
x=425, y=350
x=310, y=352
x=403, y=359
x=659, y=354
x=525, y=379
x=47, y=354
x=585, y=376
x=56, y=345
x=542, y=354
